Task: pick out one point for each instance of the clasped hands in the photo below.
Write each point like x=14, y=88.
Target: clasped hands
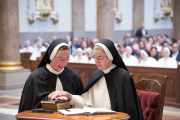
x=59, y=95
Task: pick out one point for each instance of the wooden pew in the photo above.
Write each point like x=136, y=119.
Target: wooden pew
x=25, y=57
x=172, y=96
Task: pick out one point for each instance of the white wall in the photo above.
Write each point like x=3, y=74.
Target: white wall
x=64, y=24
x=126, y=8
x=65, y=17
x=149, y=6
x=90, y=7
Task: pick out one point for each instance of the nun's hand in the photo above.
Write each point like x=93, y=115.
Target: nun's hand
x=59, y=94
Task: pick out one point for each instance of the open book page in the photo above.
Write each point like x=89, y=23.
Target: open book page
x=98, y=110
x=86, y=111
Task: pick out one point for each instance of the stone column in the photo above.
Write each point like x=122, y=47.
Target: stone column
x=105, y=19
x=176, y=19
x=138, y=14
x=9, y=35
x=78, y=24
x=11, y=74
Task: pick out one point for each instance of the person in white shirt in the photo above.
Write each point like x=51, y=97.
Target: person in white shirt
x=80, y=58
x=27, y=47
x=166, y=61
x=37, y=52
x=130, y=60
x=146, y=60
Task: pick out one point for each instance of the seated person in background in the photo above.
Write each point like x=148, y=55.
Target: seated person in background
x=80, y=58
x=92, y=61
x=27, y=47
x=74, y=47
x=117, y=48
x=166, y=61
x=147, y=61
x=46, y=44
x=175, y=52
x=158, y=45
x=51, y=76
x=86, y=49
x=136, y=50
x=127, y=40
x=166, y=44
x=68, y=39
x=53, y=38
x=111, y=86
x=150, y=40
x=142, y=45
x=148, y=48
x=122, y=51
x=154, y=53
x=37, y=52
x=130, y=60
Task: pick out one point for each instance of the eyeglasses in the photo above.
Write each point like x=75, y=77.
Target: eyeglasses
x=61, y=60
x=98, y=58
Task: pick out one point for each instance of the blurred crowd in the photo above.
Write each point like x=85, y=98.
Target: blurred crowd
x=152, y=51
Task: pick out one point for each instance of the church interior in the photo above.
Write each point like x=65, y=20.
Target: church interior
x=145, y=33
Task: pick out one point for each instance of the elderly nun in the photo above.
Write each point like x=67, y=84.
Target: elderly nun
x=147, y=61
x=111, y=86
x=80, y=58
x=51, y=76
x=166, y=61
x=130, y=60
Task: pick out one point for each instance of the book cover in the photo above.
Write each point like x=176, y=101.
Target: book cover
x=54, y=101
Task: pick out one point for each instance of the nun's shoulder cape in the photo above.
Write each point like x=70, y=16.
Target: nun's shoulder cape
x=121, y=88
x=42, y=82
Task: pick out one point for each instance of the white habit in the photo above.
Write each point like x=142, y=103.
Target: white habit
x=97, y=96
x=131, y=61
x=27, y=49
x=167, y=63
x=82, y=59
x=58, y=83
x=149, y=62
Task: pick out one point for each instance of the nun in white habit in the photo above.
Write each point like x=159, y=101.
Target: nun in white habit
x=130, y=60
x=166, y=61
x=146, y=60
x=80, y=58
x=111, y=86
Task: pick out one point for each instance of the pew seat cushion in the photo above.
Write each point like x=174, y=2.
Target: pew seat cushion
x=149, y=103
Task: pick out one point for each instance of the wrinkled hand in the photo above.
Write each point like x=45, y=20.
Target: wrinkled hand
x=62, y=95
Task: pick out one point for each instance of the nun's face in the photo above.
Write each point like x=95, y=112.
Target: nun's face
x=60, y=60
x=101, y=60
x=128, y=52
x=143, y=56
x=165, y=53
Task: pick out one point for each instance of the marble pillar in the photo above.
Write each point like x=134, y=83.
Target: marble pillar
x=105, y=19
x=12, y=75
x=138, y=14
x=78, y=20
x=176, y=19
x=9, y=36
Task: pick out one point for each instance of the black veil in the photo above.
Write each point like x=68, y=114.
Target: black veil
x=46, y=57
